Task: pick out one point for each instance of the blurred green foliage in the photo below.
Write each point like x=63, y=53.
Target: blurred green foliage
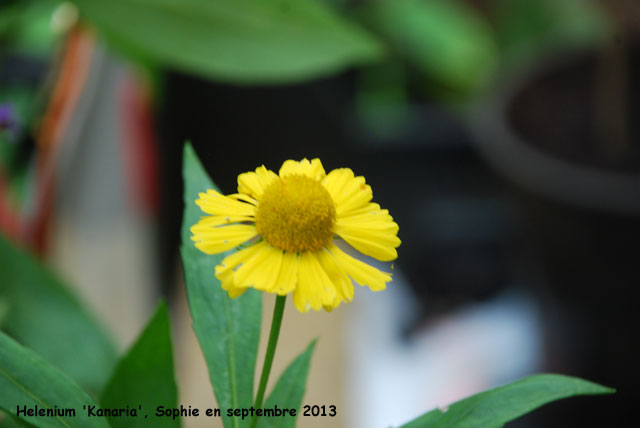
x=246, y=42
x=240, y=41
x=42, y=314
x=447, y=40
x=528, y=30
x=382, y=99
x=27, y=25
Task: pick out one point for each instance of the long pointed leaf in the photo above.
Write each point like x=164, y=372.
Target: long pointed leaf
x=44, y=316
x=289, y=391
x=28, y=380
x=496, y=407
x=144, y=376
x=241, y=41
x=228, y=329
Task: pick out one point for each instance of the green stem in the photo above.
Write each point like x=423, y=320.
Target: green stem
x=276, y=322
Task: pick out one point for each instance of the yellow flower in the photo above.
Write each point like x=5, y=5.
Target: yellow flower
x=290, y=221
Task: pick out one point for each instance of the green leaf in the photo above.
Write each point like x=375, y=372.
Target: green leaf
x=240, y=41
x=289, y=391
x=228, y=329
x=28, y=380
x=42, y=315
x=10, y=14
x=530, y=29
x=144, y=377
x=7, y=420
x=496, y=407
x=445, y=38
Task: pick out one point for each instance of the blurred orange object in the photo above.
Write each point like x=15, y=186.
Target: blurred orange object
x=27, y=222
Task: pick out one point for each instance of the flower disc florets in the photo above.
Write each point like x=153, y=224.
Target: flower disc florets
x=296, y=213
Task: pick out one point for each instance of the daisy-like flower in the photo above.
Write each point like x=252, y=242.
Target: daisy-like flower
x=289, y=222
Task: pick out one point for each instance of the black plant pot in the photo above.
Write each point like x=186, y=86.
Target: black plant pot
x=575, y=167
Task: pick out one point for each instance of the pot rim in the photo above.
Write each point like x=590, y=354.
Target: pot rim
x=536, y=170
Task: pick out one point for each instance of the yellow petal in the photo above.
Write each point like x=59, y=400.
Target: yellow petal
x=348, y=192
x=361, y=272
x=370, y=208
x=229, y=263
x=373, y=234
x=371, y=248
x=315, y=289
x=371, y=216
x=219, y=220
x=214, y=240
x=215, y=203
x=313, y=169
x=337, y=275
x=235, y=292
x=242, y=197
x=228, y=285
x=254, y=183
x=261, y=270
x=224, y=271
x=288, y=277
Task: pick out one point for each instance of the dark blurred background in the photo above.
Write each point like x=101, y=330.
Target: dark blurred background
x=501, y=135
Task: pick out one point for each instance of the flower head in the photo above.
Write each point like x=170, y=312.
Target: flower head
x=290, y=221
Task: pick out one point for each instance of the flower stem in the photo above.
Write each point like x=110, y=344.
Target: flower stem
x=276, y=322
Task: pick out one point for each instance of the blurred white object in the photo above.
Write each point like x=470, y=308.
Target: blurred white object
x=393, y=380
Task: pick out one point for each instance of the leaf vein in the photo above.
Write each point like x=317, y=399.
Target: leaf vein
x=26, y=391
